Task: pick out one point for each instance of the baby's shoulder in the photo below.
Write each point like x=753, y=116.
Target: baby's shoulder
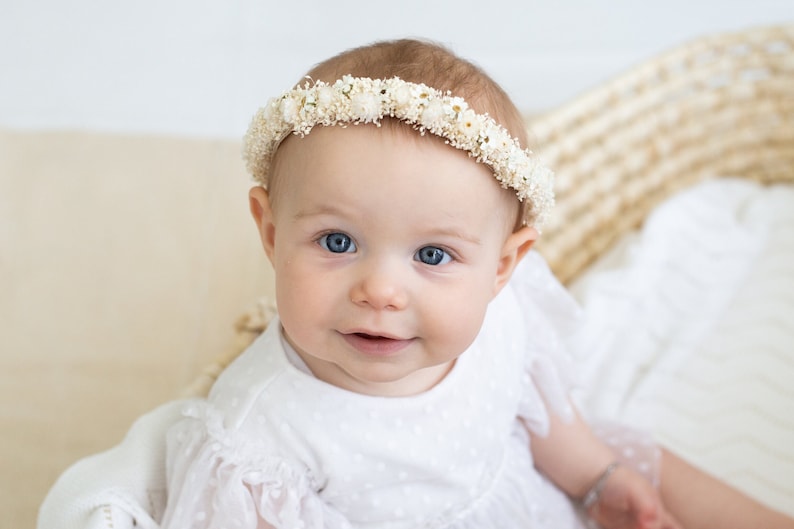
x=253, y=381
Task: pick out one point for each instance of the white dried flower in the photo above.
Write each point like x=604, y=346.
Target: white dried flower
x=325, y=97
x=289, y=109
x=365, y=107
x=433, y=113
x=469, y=125
x=402, y=95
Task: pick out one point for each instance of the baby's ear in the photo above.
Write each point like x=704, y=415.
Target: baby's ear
x=259, y=203
x=514, y=249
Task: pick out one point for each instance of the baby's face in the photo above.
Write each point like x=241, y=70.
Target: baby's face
x=387, y=249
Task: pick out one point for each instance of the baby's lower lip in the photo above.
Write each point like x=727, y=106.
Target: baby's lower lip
x=375, y=345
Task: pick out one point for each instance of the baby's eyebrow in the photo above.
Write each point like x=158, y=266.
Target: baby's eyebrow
x=455, y=233
x=317, y=210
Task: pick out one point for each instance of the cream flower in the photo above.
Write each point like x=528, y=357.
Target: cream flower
x=365, y=107
x=401, y=94
x=433, y=113
x=469, y=125
x=325, y=96
x=289, y=109
x=458, y=105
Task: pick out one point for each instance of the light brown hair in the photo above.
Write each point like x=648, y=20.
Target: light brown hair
x=419, y=61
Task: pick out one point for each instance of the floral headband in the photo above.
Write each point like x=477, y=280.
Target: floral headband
x=355, y=100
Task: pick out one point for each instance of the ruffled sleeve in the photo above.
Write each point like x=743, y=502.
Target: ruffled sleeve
x=219, y=480
x=550, y=316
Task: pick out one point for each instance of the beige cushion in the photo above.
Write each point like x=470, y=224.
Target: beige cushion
x=124, y=262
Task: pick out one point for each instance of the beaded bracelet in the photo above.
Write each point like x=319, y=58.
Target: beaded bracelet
x=592, y=495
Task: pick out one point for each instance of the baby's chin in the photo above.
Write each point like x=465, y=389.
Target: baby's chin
x=384, y=383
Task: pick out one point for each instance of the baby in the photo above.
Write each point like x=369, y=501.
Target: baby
x=415, y=376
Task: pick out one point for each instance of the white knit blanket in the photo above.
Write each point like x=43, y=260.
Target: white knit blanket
x=691, y=333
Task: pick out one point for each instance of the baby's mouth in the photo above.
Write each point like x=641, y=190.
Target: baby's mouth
x=375, y=344
x=371, y=336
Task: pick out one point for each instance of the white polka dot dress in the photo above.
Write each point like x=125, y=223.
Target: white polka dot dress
x=275, y=447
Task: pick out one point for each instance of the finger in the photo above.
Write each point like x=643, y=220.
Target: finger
x=670, y=522
x=649, y=513
x=650, y=519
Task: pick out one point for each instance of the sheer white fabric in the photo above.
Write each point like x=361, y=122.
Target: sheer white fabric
x=274, y=446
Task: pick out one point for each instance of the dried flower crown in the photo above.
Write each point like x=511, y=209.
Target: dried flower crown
x=356, y=100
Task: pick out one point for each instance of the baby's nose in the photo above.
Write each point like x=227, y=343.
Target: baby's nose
x=381, y=286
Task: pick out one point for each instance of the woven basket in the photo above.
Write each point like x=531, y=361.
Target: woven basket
x=718, y=106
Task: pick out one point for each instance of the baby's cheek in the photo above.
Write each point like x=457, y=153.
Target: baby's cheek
x=460, y=324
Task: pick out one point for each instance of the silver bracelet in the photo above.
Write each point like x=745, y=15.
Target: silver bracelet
x=592, y=495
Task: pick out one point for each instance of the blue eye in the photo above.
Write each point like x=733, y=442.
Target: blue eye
x=432, y=255
x=337, y=242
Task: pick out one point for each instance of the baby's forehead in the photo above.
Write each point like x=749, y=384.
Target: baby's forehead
x=327, y=148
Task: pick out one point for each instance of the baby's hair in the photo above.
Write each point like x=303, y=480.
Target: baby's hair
x=426, y=62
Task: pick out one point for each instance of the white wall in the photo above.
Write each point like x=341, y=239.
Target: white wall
x=201, y=67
